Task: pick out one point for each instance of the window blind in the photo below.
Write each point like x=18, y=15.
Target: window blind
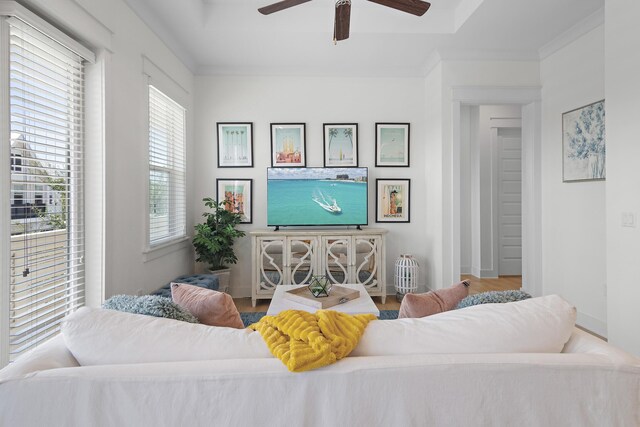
x=46, y=83
x=167, y=185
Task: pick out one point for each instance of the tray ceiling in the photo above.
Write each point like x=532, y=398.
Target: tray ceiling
x=231, y=37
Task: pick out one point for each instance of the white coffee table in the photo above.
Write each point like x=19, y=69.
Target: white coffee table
x=361, y=305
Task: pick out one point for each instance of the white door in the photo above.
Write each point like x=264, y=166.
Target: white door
x=510, y=201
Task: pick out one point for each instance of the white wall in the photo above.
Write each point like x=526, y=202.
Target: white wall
x=314, y=101
x=125, y=135
x=432, y=191
x=622, y=64
x=127, y=269
x=468, y=125
x=573, y=220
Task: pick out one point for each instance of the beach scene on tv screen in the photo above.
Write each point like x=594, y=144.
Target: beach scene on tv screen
x=317, y=196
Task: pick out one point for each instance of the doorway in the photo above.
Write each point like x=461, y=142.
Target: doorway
x=491, y=192
x=528, y=100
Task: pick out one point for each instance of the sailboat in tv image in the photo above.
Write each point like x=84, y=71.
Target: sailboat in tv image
x=317, y=196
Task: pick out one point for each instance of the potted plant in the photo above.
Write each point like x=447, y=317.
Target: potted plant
x=213, y=240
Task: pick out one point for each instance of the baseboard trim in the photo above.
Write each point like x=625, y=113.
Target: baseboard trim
x=482, y=274
x=488, y=274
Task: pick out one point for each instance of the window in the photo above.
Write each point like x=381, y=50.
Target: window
x=167, y=198
x=16, y=163
x=46, y=269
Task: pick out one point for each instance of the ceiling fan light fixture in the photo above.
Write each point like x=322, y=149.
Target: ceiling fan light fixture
x=342, y=20
x=343, y=12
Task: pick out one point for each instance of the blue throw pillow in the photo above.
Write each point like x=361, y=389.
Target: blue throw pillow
x=208, y=281
x=493, y=297
x=150, y=305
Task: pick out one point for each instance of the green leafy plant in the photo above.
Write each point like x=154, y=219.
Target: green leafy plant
x=214, y=238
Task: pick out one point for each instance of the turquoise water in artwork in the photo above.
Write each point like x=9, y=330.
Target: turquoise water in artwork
x=298, y=202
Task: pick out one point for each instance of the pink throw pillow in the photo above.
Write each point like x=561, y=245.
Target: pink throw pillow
x=421, y=305
x=210, y=307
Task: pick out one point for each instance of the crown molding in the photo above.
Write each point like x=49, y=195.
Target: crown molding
x=476, y=55
x=155, y=25
x=478, y=95
x=463, y=12
x=588, y=24
x=432, y=62
x=488, y=55
x=310, y=71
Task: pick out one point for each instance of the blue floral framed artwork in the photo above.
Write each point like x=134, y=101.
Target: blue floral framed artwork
x=583, y=143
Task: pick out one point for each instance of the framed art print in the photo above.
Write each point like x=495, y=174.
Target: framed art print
x=238, y=197
x=288, y=146
x=392, y=144
x=583, y=143
x=340, y=145
x=235, y=145
x=393, y=197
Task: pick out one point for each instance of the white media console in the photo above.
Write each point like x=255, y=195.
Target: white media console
x=291, y=257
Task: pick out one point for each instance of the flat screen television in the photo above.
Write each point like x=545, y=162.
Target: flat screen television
x=317, y=196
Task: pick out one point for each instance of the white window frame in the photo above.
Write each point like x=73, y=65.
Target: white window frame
x=154, y=76
x=15, y=10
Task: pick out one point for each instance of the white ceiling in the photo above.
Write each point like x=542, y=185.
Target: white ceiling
x=232, y=37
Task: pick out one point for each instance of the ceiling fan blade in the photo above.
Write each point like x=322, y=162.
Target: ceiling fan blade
x=342, y=20
x=414, y=7
x=281, y=5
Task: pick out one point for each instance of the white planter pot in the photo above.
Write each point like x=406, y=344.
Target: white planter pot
x=223, y=276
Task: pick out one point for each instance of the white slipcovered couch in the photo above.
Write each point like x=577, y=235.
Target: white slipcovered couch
x=510, y=364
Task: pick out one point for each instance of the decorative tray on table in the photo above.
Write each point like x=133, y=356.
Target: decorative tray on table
x=337, y=295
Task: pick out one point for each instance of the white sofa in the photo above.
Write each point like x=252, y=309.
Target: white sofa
x=589, y=383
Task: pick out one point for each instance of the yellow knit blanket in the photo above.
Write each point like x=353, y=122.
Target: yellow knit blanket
x=305, y=341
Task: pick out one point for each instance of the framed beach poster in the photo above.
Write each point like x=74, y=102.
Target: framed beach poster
x=340, y=145
x=235, y=145
x=392, y=144
x=393, y=197
x=288, y=146
x=583, y=143
x=238, y=197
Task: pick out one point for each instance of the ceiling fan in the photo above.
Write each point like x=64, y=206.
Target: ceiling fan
x=343, y=11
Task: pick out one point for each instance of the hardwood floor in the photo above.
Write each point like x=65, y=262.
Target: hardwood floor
x=502, y=283
x=244, y=305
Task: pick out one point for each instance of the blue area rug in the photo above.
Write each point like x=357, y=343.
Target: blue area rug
x=249, y=318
